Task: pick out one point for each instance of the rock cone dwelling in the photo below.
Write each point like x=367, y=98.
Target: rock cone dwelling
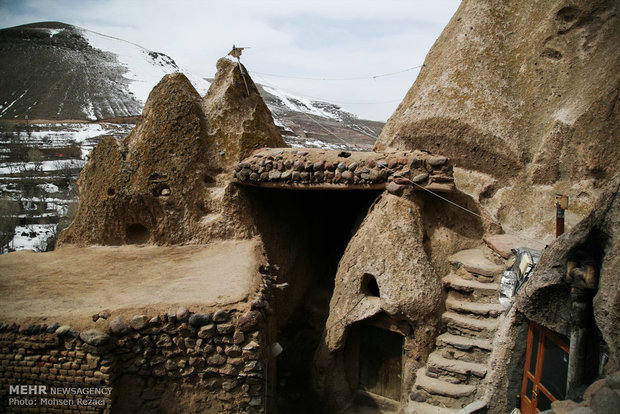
x=212, y=269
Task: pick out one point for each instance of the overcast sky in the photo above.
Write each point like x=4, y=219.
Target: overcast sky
x=292, y=39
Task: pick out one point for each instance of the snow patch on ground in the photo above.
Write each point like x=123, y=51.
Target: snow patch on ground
x=13, y=103
x=48, y=187
x=32, y=237
x=89, y=111
x=299, y=142
x=54, y=32
x=56, y=165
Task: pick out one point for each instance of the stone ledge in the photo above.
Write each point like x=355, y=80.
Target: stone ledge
x=319, y=169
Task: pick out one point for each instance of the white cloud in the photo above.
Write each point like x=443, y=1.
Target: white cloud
x=319, y=38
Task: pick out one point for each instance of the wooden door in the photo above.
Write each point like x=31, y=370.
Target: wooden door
x=546, y=367
x=380, y=362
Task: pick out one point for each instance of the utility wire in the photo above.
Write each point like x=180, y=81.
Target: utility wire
x=445, y=199
x=340, y=79
x=328, y=131
x=264, y=82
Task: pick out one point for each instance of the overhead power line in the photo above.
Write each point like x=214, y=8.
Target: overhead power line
x=316, y=98
x=338, y=79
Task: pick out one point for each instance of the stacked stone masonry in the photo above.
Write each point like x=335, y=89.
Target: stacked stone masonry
x=220, y=354
x=324, y=169
x=217, y=360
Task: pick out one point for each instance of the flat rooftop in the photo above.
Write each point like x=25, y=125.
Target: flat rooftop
x=71, y=284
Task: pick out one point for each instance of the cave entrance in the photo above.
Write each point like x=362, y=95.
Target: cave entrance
x=305, y=233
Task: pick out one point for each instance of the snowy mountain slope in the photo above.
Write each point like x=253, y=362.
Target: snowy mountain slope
x=53, y=70
x=308, y=123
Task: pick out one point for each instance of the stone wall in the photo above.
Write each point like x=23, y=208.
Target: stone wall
x=53, y=357
x=173, y=362
x=292, y=168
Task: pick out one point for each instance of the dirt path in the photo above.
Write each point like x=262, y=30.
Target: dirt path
x=71, y=284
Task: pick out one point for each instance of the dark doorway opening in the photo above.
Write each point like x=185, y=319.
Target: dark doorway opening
x=305, y=233
x=370, y=286
x=137, y=234
x=373, y=360
x=380, y=361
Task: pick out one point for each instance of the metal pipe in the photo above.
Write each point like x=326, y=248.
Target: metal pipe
x=578, y=335
x=561, y=204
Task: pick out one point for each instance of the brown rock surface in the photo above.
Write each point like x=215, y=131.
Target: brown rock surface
x=506, y=84
x=164, y=184
x=238, y=119
x=388, y=247
x=403, y=244
x=527, y=94
x=408, y=286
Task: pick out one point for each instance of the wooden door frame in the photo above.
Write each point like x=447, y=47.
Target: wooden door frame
x=535, y=378
x=353, y=346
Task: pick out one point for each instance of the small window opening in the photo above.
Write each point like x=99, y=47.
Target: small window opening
x=370, y=286
x=137, y=234
x=208, y=179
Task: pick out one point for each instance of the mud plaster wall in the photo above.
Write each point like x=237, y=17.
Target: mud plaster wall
x=175, y=362
x=507, y=362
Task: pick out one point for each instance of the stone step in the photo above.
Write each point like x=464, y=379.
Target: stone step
x=464, y=343
x=478, y=406
x=474, y=261
x=437, y=386
x=454, y=367
x=476, y=355
x=414, y=407
x=478, y=289
x=481, y=328
x=503, y=244
x=475, y=308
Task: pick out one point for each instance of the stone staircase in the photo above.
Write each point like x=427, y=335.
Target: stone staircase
x=454, y=370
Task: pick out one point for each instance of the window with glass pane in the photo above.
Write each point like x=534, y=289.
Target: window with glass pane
x=544, y=403
x=554, y=369
x=534, y=355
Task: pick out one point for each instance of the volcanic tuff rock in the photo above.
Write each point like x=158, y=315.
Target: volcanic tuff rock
x=239, y=120
x=162, y=184
x=507, y=85
x=521, y=95
x=391, y=269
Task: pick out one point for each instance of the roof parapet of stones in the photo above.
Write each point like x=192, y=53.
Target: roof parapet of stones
x=331, y=169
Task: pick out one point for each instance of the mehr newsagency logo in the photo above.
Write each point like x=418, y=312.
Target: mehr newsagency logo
x=44, y=396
